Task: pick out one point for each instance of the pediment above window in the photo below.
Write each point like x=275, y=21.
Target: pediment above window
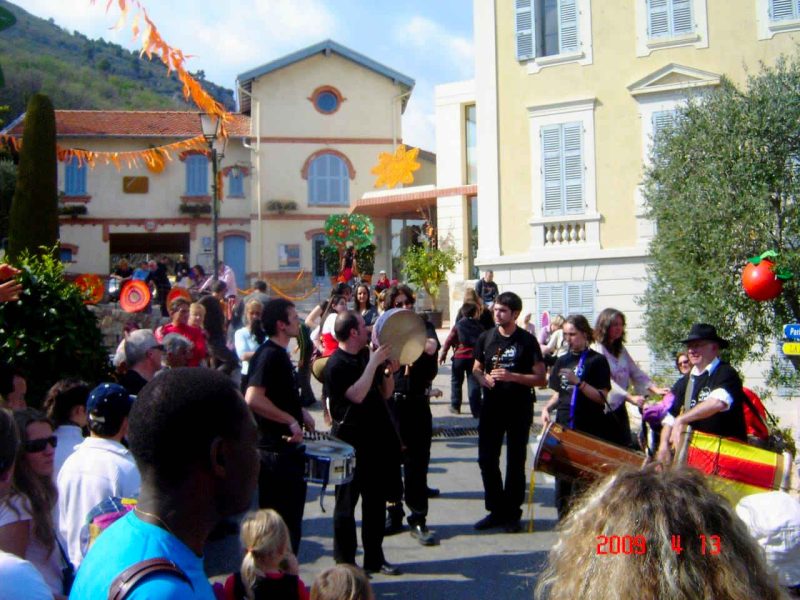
x=672, y=78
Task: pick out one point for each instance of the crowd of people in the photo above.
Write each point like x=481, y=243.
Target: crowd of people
x=185, y=447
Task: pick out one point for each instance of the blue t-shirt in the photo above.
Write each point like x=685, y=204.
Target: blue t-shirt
x=131, y=540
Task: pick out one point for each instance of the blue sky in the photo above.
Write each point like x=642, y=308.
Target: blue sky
x=428, y=40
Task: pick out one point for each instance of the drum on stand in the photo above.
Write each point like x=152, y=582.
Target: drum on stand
x=570, y=454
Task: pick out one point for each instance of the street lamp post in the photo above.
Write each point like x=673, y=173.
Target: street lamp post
x=216, y=146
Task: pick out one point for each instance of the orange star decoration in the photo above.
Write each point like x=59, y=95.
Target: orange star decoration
x=396, y=168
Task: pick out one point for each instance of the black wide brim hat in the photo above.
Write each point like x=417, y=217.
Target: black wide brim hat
x=704, y=331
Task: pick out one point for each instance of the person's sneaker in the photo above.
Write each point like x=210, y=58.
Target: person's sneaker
x=513, y=526
x=488, y=522
x=384, y=569
x=433, y=492
x=453, y=410
x=423, y=535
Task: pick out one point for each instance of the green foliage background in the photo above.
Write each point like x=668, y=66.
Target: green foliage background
x=427, y=266
x=721, y=188
x=49, y=333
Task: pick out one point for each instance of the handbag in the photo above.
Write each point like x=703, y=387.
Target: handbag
x=67, y=571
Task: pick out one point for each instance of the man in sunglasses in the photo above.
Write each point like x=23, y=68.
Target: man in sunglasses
x=99, y=468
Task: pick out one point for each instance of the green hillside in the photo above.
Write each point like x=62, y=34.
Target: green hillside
x=37, y=55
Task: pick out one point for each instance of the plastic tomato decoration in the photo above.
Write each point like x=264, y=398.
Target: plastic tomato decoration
x=760, y=281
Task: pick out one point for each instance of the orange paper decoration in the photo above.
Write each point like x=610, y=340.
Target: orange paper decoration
x=92, y=287
x=397, y=168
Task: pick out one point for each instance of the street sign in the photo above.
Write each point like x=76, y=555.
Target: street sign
x=791, y=331
x=791, y=348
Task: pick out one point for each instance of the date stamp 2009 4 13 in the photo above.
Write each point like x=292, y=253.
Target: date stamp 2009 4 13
x=637, y=544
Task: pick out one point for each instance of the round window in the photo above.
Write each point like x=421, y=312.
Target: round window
x=327, y=101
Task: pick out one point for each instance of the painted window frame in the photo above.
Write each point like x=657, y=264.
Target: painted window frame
x=698, y=37
x=197, y=175
x=526, y=25
x=766, y=27
x=318, y=197
x=75, y=173
x=567, y=297
x=235, y=184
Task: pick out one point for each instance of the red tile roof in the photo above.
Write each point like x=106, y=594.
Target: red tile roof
x=133, y=123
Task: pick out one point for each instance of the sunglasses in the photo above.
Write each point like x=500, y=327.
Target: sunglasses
x=34, y=446
x=403, y=304
x=683, y=362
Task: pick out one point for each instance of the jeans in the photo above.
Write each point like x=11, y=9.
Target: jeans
x=462, y=367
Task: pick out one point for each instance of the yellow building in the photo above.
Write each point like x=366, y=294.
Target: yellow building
x=568, y=94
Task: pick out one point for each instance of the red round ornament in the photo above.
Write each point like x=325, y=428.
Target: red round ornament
x=760, y=282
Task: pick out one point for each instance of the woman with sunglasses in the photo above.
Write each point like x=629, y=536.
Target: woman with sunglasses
x=26, y=511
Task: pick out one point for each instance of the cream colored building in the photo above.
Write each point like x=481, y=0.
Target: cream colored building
x=567, y=95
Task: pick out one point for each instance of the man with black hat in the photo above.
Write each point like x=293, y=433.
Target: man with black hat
x=709, y=398
x=100, y=467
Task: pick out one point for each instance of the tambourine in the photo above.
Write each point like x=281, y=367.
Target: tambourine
x=404, y=330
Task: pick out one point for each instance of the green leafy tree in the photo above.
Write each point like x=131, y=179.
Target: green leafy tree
x=33, y=221
x=426, y=266
x=722, y=187
x=8, y=180
x=49, y=333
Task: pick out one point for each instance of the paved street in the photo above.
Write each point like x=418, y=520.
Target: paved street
x=466, y=564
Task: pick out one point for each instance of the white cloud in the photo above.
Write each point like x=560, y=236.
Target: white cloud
x=432, y=40
x=419, y=119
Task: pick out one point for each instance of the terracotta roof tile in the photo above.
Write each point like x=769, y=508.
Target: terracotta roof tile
x=131, y=123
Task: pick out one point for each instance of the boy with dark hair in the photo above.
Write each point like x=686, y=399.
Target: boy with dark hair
x=100, y=467
x=273, y=395
x=65, y=404
x=195, y=444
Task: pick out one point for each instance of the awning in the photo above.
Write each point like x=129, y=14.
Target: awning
x=407, y=202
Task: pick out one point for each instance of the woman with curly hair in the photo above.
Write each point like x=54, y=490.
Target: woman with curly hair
x=26, y=511
x=675, y=538
x=609, y=335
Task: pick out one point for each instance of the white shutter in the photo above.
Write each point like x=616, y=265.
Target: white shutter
x=580, y=299
x=550, y=298
x=524, y=27
x=662, y=119
x=781, y=10
x=682, y=17
x=551, y=170
x=568, y=26
x=573, y=168
x=657, y=18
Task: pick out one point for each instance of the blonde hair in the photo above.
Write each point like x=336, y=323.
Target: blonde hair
x=342, y=582
x=253, y=302
x=557, y=321
x=470, y=295
x=195, y=308
x=265, y=538
x=646, y=511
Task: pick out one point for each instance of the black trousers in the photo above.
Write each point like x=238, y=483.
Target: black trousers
x=566, y=492
x=369, y=485
x=281, y=487
x=461, y=369
x=416, y=429
x=509, y=418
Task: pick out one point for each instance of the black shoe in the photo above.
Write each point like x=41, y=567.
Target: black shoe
x=423, y=535
x=513, y=526
x=384, y=569
x=433, y=492
x=394, y=520
x=454, y=410
x=489, y=521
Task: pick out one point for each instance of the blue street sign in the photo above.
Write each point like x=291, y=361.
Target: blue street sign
x=791, y=331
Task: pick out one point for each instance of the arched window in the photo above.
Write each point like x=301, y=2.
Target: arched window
x=328, y=181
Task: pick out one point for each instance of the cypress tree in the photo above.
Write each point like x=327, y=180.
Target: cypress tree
x=33, y=221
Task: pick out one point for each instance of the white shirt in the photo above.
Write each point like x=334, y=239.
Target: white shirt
x=99, y=468
x=47, y=563
x=69, y=436
x=244, y=341
x=624, y=370
x=20, y=579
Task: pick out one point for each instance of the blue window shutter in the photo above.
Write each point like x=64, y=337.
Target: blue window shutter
x=550, y=298
x=573, y=168
x=657, y=18
x=682, y=17
x=782, y=10
x=568, y=26
x=235, y=185
x=75, y=178
x=551, y=171
x=197, y=175
x=580, y=299
x=524, y=29
x=65, y=255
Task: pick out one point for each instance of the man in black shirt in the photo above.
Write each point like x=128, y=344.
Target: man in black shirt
x=508, y=363
x=273, y=396
x=487, y=288
x=710, y=397
x=359, y=384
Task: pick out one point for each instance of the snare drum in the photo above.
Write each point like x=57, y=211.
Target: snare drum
x=570, y=454
x=329, y=461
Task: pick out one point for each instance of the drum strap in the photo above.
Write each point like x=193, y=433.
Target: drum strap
x=574, y=399
x=687, y=395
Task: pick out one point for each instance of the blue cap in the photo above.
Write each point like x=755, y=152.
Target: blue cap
x=109, y=402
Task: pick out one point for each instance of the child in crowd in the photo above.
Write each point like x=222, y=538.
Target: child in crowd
x=269, y=569
x=342, y=582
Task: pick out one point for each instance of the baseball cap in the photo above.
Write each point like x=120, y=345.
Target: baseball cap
x=108, y=404
x=144, y=340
